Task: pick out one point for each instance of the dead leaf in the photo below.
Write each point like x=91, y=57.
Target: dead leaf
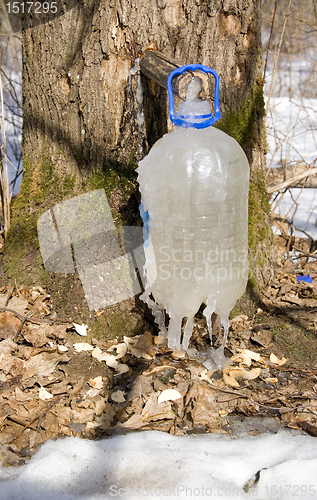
x=59, y=332
x=9, y=324
x=100, y=405
x=276, y=361
x=109, y=359
x=169, y=395
x=37, y=334
x=132, y=345
x=121, y=369
x=21, y=396
x=230, y=381
x=202, y=403
x=7, y=346
x=44, y=394
x=145, y=343
x=82, y=415
x=18, y=304
x=118, y=396
x=263, y=337
x=83, y=346
x=96, y=382
x=43, y=364
x=153, y=410
x=81, y=329
x=6, y=362
x=120, y=350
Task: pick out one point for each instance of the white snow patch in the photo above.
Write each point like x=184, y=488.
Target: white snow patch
x=157, y=465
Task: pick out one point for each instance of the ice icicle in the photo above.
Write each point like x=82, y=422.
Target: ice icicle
x=208, y=312
x=174, y=332
x=225, y=323
x=159, y=316
x=218, y=355
x=188, y=330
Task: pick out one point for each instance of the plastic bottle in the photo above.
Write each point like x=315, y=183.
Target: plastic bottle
x=194, y=185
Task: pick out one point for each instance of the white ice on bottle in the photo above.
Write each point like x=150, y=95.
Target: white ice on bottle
x=194, y=184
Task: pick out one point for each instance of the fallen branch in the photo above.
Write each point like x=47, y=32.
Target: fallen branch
x=33, y=319
x=307, y=254
x=293, y=181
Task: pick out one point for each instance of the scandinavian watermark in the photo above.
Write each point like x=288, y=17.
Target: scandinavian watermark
x=178, y=491
x=79, y=235
x=16, y=14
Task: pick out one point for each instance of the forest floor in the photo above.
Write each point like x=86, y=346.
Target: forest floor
x=56, y=380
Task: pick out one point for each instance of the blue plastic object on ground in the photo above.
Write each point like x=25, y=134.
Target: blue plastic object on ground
x=304, y=278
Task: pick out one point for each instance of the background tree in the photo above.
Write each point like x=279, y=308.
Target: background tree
x=82, y=128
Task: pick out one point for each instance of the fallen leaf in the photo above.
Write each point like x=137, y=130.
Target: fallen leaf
x=83, y=346
x=109, y=359
x=121, y=368
x=9, y=324
x=96, y=382
x=274, y=359
x=243, y=358
x=18, y=304
x=153, y=410
x=7, y=346
x=81, y=329
x=118, y=396
x=43, y=364
x=119, y=349
x=135, y=351
x=169, y=395
x=230, y=381
x=37, y=335
x=44, y=394
x=62, y=348
x=251, y=374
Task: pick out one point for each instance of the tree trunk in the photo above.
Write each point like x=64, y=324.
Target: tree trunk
x=86, y=126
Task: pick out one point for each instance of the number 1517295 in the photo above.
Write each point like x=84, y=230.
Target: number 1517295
x=35, y=7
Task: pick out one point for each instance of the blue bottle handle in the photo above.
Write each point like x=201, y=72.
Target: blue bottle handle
x=187, y=121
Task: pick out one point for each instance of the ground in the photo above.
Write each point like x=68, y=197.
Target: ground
x=55, y=381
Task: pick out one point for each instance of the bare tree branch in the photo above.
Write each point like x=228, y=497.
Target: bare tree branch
x=293, y=181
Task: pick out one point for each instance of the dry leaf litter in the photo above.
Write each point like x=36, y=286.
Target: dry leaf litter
x=52, y=385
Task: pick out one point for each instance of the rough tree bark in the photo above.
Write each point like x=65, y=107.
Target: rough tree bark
x=80, y=108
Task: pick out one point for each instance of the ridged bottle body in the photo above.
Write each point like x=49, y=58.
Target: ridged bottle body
x=194, y=186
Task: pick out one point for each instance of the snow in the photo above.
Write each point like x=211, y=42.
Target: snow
x=291, y=130
x=291, y=127
x=301, y=207
x=154, y=464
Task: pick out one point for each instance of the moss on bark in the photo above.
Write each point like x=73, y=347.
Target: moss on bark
x=42, y=188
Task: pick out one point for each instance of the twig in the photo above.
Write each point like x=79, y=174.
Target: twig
x=277, y=54
x=31, y=319
x=292, y=181
x=307, y=254
x=270, y=38
x=40, y=416
x=9, y=295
